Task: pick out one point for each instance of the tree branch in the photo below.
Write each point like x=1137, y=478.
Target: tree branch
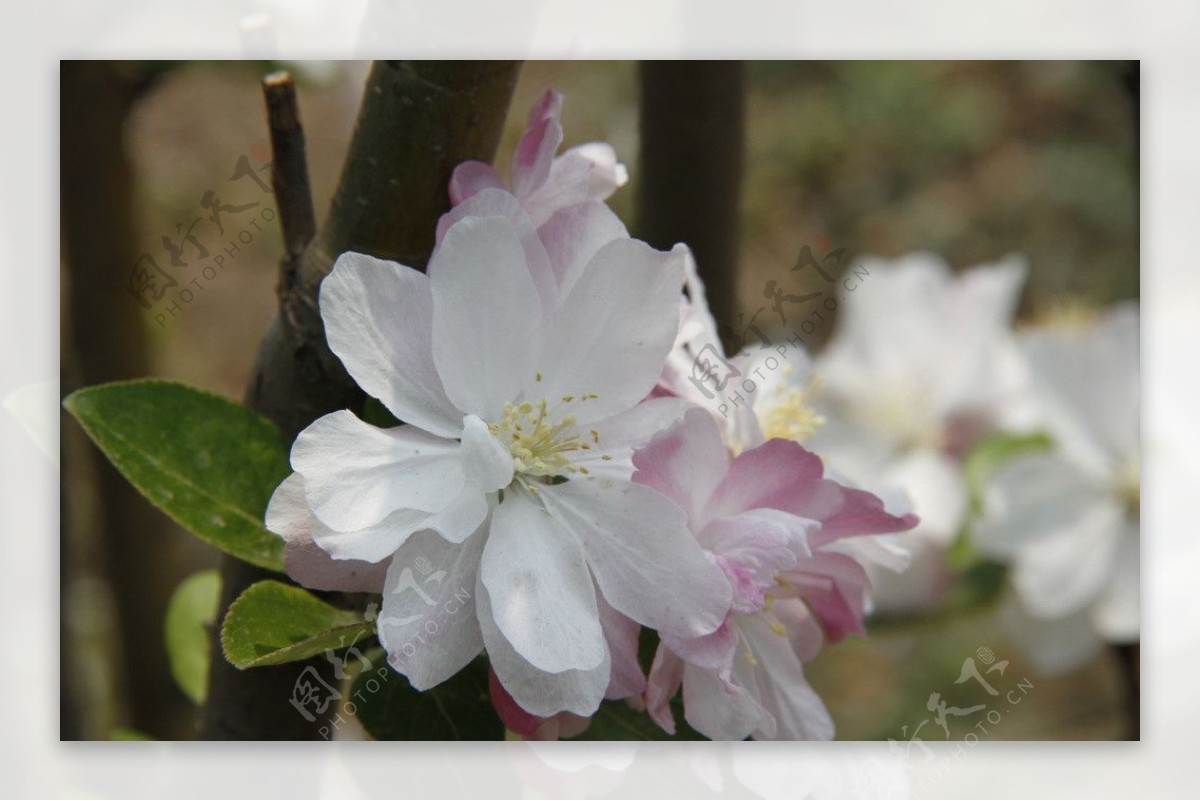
x=289, y=168
x=418, y=120
x=690, y=170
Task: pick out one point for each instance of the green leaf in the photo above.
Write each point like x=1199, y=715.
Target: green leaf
x=980, y=464
x=986, y=457
x=375, y=413
x=459, y=708
x=272, y=623
x=190, y=616
x=209, y=463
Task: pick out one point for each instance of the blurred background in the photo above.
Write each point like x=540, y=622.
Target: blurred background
x=970, y=160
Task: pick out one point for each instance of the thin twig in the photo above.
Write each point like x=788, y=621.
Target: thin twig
x=289, y=170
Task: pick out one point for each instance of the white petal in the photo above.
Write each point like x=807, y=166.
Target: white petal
x=1053, y=646
x=542, y=595
x=379, y=320
x=488, y=463
x=888, y=551
x=485, y=310
x=355, y=474
x=613, y=330
x=536, y=691
x=428, y=623
x=1117, y=614
x=501, y=203
x=1063, y=573
x=646, y=562
x=454, y=523
x=623, y=433
x=666, y=674
x=1030, y=498
x=621, y=635
x=573, y=235
x=308, y=564
x=1087, y=385
x=783, y=691
x=720, y=709
x=934, y=485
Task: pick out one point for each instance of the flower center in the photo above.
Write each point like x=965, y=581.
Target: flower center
x=790, y=415
x=543, y=439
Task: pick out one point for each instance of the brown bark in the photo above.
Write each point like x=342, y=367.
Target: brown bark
x=690, y=170
x=104, y=340
x=418, y=120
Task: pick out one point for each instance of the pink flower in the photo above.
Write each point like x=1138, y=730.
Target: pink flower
x=777, y=528
x=542, y=182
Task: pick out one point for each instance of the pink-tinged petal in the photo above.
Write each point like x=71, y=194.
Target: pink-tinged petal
x=534, y=154
x=798, y=711
x=803, y=629
x=548, y=107
x=687, y=463
x=488, y=464
x=621, y=635
x=858, y=513
x=485, y=311
x=490, y=202
x=378, y=318
x=563, y=725
x=537, y=692
x=532, y=727
x=428, y=623
x=781, y=474
x=355, y=474
x=645, y=561
x=719, y=708
x=753, y=548
x=611, y=456
x=713, y=651
x=666, y=676
x=582, y=173
x=470, y=178
x=541, y=592
x=834, y=586
x=288, y=516
x=612, y=331
x=573, y=235
x=514, y=718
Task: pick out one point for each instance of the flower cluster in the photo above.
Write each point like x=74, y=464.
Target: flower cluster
x=555, y=483
x=924, y=369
